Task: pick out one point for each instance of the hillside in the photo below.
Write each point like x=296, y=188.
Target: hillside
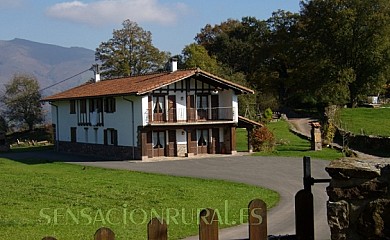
x=49, y=63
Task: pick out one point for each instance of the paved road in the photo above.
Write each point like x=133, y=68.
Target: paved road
x=283, y=175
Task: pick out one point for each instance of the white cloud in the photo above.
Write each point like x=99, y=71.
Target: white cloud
x=115, y=11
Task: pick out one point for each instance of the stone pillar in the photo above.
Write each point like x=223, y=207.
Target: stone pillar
x=359, y=199
x=316, y=140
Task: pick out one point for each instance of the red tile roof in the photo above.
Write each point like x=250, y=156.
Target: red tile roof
x=137, y=85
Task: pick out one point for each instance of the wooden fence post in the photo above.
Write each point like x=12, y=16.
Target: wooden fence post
x=257, y=220
x=104, y=234
x=208, y=225
x=49, y=238
x=304, y=215
x=157, y=230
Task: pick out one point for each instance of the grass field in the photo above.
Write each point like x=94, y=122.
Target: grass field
x=71, y=202
x=366, y=121
x=290, y=145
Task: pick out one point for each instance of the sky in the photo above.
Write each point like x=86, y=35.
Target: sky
x=87, y=23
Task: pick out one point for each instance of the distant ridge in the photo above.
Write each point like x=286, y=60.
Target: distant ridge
x=49, y=63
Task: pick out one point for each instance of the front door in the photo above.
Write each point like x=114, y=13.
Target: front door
x=215, y=143
x=172, y=144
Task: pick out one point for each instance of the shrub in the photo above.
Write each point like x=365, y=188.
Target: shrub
x=267, y=115
x=262, y=139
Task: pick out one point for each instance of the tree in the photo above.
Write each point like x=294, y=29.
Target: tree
x=129, y=52
x=3, y=124
x=348, y=48
x=22, y=101
x=195, y=55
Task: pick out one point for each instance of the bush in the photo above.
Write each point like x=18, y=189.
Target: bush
x=267, y=116
x=263, y=140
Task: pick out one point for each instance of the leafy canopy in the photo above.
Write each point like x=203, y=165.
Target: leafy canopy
x=129, y=52
x=22, y=101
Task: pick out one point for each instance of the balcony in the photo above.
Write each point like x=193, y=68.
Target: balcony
x=192, y=115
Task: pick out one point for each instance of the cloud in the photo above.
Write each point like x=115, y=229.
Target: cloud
x=116, y=11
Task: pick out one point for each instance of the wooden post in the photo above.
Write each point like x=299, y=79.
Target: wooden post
x=257, y=220
x=49, y=238
x=104, y=234
x=157, y=230
x=208, y=225
x=304, y=215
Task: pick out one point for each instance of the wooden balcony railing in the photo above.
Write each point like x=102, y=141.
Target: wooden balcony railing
x=190, y=115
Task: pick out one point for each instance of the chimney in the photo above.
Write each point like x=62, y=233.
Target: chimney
x=173, y=64
x=95, y=69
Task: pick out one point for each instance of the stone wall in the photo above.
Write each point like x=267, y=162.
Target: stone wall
x=359, y=199
x=379, y=146
x=106, y=152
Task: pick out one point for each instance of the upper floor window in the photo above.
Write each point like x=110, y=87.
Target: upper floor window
x=202, y=101
x=72, y=105
x=109, y=105
x=83, y=106
x=159, y=104
x=96, y=104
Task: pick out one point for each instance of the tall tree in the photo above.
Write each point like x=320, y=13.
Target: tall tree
x=22, y=101
x=129, y=52
x=195, y=55
x=348, y=48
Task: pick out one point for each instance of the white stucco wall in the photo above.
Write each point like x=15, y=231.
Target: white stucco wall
x=121, y=120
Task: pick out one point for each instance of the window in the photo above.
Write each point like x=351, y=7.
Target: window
x=159, y=104
x=86, y=135
x=96, y=104
x=203, y=137
x=72, y=104
x=110, y=137
x=73, y=136
x=109, y=105
x=202, y=101
x=159, y=139
x=96, y=134
x=83, y=106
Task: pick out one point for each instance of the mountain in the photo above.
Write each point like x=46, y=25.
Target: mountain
x=50, y=64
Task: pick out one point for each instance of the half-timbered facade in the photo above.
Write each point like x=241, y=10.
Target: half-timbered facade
x=175, y=113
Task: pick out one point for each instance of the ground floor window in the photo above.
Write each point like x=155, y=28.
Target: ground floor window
x=158, y=139
x=110, y=137
x=203, y=136
x=73, y=134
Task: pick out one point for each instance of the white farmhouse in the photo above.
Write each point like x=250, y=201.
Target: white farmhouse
x=173, y=113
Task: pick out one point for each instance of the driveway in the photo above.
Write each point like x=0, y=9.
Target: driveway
x=283, y=175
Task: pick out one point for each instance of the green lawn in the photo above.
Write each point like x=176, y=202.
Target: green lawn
x=290, y=145
x=241, y=140
x=367, y=121
x=71, y=202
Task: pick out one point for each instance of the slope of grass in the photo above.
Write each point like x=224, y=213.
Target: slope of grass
x=290, y=145
x=366, y=121
x=71, y=202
